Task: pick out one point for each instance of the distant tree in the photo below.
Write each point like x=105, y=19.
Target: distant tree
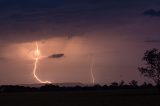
x=144, y=84
x=133, y=83
x=114, y=84
x=152, y=65
x=121, y=84
x=49, y=87
x=97, y=86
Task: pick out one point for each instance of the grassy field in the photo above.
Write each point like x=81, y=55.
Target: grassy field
x=81, y=98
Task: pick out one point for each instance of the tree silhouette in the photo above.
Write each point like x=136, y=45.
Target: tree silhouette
x=133, y=83
x=122, y=83
x=152, y=65
x=114, y=84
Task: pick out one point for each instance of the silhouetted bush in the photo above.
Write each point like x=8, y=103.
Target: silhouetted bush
x=133, y=83
x=122, y=83
x=114, y=84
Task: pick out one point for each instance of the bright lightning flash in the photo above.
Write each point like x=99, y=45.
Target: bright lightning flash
x=91, y=70
x=37, y=55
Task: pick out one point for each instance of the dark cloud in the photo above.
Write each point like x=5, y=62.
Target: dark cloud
x=30, y=20
x=153, y=41
x=56, y=56
x=152, y=12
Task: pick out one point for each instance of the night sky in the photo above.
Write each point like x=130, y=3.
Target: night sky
x=115, y=33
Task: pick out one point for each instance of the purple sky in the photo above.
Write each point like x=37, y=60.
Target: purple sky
x=115, y=33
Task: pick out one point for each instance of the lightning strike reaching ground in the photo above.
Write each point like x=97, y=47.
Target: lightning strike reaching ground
x=91, y=70
x=37, y=55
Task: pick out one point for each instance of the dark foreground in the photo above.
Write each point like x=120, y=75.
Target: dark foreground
x=82, y=98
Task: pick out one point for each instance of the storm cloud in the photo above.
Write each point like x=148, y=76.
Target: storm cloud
x=153, y=41
x=152, y=12
x=56, y=56
x=28, y=20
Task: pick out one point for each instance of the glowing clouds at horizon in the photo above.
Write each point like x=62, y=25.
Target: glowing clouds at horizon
x=56, y=59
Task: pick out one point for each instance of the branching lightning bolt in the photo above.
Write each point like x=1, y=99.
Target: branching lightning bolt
x=37, y=57
x=91, y=70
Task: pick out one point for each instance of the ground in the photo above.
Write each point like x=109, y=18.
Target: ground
x=82, y=98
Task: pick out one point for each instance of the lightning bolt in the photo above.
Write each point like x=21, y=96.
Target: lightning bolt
x=37, y=57
x=91, y=71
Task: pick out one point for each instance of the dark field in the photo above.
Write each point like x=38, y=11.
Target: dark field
x=82, y=98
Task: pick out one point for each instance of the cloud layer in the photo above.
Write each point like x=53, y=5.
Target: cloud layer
x=23, y=21
x=152, y=12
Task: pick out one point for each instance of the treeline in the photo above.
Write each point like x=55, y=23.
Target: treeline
x=52, y=88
